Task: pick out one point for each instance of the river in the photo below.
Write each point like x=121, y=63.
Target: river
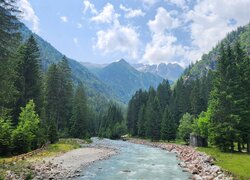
x=135, y=161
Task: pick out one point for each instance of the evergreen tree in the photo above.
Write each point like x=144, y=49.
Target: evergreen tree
x=223, y=121
x=141, y=121
x=79, y=114
x=65, y=94
x=29, y=82
x=9, y=40
x=168, y=128
x=155, y=120
x=164, y=94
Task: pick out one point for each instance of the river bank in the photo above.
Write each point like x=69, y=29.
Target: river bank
x=197, y=163
x=70, y=164
x=63, y=160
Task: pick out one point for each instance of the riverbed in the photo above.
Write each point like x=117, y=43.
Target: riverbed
x=134, y=161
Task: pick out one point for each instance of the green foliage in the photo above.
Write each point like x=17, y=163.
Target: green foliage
x=9, y=40
x=79, y=114
x=5, y=136
x=112, y=123
x=185, y=127
x=25, y=134
x=168, y=127
x=125, y=80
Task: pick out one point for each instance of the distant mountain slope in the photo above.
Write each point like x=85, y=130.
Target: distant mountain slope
x=94, y=68
x=126, y=80
x=167, y=71
x=95, y=88
x=209, y=61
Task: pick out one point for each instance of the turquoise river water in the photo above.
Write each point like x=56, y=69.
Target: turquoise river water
x=135, y=161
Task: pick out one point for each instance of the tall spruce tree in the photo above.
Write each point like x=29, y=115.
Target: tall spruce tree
x=9, y=40
x=65, y=94
x=79, y=114
x=29, y=82
x=168, y=127
x=223, y=121
x=52, y=100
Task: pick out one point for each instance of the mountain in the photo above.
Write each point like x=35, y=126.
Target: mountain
x=209, y=61
x=126, y=80
x=168, y=71
x=96, y=89
x=94, y=68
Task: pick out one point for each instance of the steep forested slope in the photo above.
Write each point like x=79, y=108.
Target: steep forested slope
x=96, y=89
x=125, y=80
x=209, y=61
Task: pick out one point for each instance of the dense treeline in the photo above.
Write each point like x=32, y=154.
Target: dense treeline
x=156, y=114
x=36, y=107
x=213, y=107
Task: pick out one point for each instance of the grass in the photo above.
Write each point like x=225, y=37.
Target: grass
x=236, y=163
x=62, y=146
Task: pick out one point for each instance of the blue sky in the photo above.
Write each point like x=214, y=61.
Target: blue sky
x=147, y=31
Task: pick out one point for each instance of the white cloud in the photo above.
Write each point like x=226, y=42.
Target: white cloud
x=64, y=18
x=163, y=21
x=119, y=38
x=107, y=15
x=79, y=25
x=29, y=14
x=131, y=13
x=89, y=6
x=75, y=40
x=163, y=48
x=209, y=21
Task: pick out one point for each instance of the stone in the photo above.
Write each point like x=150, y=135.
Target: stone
x=196, y=177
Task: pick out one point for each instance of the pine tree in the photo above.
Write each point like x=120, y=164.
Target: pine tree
x=65, y=94
x=164, y=94
x=168, y=127
x=223, y=121
x=79, y=114
x=141, y=121
x=52, y=102
x=155, y=121
x=28, y=83
x=9, y=40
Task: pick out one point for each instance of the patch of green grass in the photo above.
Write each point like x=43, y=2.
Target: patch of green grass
x=62, y=146
x=236, y=163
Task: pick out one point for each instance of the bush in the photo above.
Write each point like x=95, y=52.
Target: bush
x=24, y=137
x=185, y=127
x=5, y=136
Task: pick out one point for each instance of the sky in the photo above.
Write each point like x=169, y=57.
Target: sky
x=140, y=31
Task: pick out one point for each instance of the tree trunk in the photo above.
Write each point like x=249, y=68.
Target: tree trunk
x=248, y=144
x=239, y=146
x=232, y=146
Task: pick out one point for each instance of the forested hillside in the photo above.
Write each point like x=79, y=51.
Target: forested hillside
x=98, y=92
x=210, y=101
x=125, y=80
x=209, y=61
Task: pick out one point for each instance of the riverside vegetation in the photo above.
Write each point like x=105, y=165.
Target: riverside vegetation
x=40, y=105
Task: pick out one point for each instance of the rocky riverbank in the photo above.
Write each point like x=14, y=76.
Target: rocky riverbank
x=62, y=166
x=200, y=165
x=70, y=164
